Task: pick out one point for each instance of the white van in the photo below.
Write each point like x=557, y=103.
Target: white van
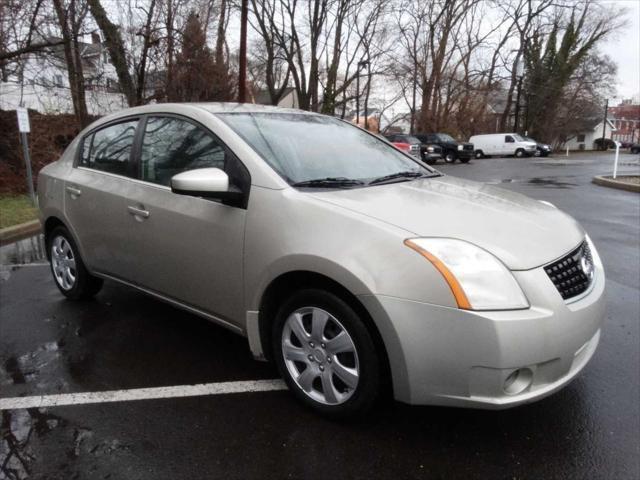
x=502, y=144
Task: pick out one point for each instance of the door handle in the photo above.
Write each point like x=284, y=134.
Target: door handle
x=76, y=192
x=138, y=212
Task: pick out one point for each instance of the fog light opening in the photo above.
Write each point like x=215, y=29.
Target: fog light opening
x=518, y=381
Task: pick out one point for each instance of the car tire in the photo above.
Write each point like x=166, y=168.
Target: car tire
x=343, y=381
x=464, y=160
x=450, y=157
x=478, y=154
x=520, y=153
x=69, y=272
x=539, y=154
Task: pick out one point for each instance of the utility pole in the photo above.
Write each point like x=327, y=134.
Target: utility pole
x=413, y=98
x=242, y=70
x=516, y=122
x=361, y=64
x=604, y=124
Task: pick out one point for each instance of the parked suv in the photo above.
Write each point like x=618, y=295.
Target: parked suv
x=428, y=153
x=452, y=150
x=353, y=266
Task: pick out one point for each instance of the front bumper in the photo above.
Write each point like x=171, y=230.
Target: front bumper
x=431, y=156
x=446, y=356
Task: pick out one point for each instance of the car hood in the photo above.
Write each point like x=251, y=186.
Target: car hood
x=522, y=232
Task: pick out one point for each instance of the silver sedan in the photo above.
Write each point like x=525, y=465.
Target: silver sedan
x=353, y=266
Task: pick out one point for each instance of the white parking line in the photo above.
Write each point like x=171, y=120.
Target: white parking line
x=220, y=388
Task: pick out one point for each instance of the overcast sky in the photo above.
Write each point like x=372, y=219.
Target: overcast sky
x=624, y=49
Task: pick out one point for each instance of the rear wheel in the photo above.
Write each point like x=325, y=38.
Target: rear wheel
x=67, y=267
x=326, y=355
x=479, y=154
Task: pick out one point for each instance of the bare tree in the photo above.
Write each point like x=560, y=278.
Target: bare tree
x=116, y=48
x=71, y=16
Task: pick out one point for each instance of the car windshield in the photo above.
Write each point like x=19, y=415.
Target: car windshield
x=312, y=149
x=519, y=138
x=446, y=138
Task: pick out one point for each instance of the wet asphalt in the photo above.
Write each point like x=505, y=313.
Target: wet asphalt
x=124, y=339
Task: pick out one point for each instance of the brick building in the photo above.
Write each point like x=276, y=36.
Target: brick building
x=626, y=119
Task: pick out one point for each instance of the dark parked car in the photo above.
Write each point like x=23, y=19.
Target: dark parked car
x=428, y=153
x=603, y=144
x=452, y=150
x=635, y=148
x=542, y=149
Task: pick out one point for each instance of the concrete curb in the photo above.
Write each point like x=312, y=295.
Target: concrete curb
x=610, y=182
x=18, y=232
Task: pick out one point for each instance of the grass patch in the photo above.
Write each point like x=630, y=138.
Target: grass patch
x=16, y=209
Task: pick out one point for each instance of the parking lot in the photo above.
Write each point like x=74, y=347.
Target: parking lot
x=126, y=340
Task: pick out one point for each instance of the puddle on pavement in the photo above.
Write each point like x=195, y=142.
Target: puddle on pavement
x=549, y=182
x=40, y=368
x=20, y=428
x=26, y=251
x=33, y=439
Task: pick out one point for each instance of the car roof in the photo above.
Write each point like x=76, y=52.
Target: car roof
x=232, y=107
x=187, y=108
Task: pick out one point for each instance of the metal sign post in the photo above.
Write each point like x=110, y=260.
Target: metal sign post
x=25, y=127
x=615, y=163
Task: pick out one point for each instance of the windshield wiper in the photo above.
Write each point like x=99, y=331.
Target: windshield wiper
x=400, y=175
x=329, y=182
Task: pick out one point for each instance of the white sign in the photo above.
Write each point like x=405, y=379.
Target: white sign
x=23, y=120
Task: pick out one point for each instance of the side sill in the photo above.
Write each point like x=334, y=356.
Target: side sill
x=175, y=303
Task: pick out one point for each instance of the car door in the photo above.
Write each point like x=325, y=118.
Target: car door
x=96, y=193
x=508, y=146
x=189, y=249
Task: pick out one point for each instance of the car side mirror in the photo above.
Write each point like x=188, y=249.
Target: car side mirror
x=205, y=182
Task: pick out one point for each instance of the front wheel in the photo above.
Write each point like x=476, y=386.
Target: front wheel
x=478, y=154
x=519, y=153
x=67, y=267
x=326, y=355
x=450, y=157
x=464, y=160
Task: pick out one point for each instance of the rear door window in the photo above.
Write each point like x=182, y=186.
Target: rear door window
x=109, y=149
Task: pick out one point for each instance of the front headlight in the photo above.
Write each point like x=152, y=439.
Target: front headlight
x=430, y=149
x=459, y=147
x=478, y=280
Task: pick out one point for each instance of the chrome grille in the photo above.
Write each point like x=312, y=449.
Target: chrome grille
x=573, y=273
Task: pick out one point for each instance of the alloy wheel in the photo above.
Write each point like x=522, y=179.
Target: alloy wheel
x=63, y=263
x=320, y=355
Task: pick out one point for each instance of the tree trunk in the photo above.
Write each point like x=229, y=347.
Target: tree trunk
x=73, y=59
x=115, y=46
